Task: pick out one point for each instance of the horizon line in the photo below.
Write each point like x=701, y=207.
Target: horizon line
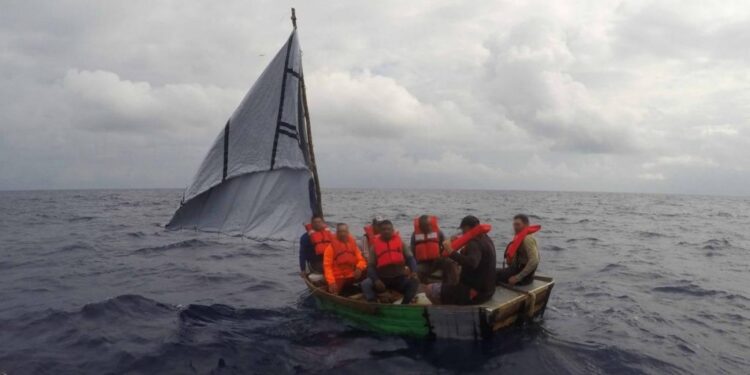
x=404, y=188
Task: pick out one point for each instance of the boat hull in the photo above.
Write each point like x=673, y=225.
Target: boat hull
x=509, y=306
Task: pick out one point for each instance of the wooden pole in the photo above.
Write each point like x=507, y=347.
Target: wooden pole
x=308, y=130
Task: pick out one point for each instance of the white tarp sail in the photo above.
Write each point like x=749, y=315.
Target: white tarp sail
x=256, y=179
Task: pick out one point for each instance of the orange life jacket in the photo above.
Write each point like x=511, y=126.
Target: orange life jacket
x=427, y=245
x=319, y=239
x=369, y=232
x=463, y=239
x=344, y=253
x=510, y=251
x=390, y=252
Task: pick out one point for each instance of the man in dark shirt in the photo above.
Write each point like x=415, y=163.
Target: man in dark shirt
x=309, y=260
x=477, y=281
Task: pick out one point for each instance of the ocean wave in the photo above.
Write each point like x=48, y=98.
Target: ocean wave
x=612, y=267
x=595, y=358
x=124, y=305
x=716, y=244
x=220, y=277
x=77, y=246
x=79, y=219
x=585, y=239
x=116, y=308
x=553, y=248
x=263, y=285
x=690, y=289
x=202, y=314
x=187, y=244
x=648, y=234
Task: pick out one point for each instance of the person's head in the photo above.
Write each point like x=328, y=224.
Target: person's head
x=342, y=232
x=520, y=222
x=468, y=222
x=317, y=222
x=386, y=229
x=376, y=224
x=424, y=224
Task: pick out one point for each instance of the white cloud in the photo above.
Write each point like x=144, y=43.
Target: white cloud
x=681, y=161
x=105, y=102
x=725, y=129
x=652, y=176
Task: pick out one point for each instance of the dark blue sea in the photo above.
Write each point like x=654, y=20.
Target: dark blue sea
x=91, y=283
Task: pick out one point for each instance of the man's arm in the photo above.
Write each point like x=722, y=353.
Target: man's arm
x=372, y=270
x=441, y=239
x=411, y=262
x=304, y=243
x=361, y=261
x=366, y=247
x=471, y=257
x=529, y=244
x=328, y=265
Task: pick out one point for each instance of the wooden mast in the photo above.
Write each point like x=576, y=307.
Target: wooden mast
x=308, y=130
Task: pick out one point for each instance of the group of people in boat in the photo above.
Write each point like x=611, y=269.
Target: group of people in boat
x=428, y=264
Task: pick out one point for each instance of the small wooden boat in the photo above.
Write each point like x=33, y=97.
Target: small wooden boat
x=509, y=306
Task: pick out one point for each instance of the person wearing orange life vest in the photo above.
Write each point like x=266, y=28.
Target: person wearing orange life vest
x=312, y=244
x=343, y=263
x=387, y=267
x=427, y=247
x=521, y=255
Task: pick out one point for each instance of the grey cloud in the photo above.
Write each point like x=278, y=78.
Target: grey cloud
x=682, y=31
x=528, y=75
x=576, y=95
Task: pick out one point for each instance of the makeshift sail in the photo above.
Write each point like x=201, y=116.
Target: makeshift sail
x=258, y=179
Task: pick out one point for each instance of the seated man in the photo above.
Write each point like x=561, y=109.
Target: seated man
x=343, y=263
x=477, y=281
x=387, y=266
x=521, y=255
x=427, y=247
x=312, y=244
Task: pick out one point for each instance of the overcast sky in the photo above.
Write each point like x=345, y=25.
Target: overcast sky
x=636, y=96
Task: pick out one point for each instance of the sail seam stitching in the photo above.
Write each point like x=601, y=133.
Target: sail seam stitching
x=281, y=101
x=226, y=152
x=292, y=72
x=288, y=133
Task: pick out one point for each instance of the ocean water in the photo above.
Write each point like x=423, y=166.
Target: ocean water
x=91, y=283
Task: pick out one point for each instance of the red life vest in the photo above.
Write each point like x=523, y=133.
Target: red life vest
x=463, y=239
x=369, y=232
x=427, y=245
x=319, y=239
x=390, y=252
x=344, y=253
x=510, y=251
